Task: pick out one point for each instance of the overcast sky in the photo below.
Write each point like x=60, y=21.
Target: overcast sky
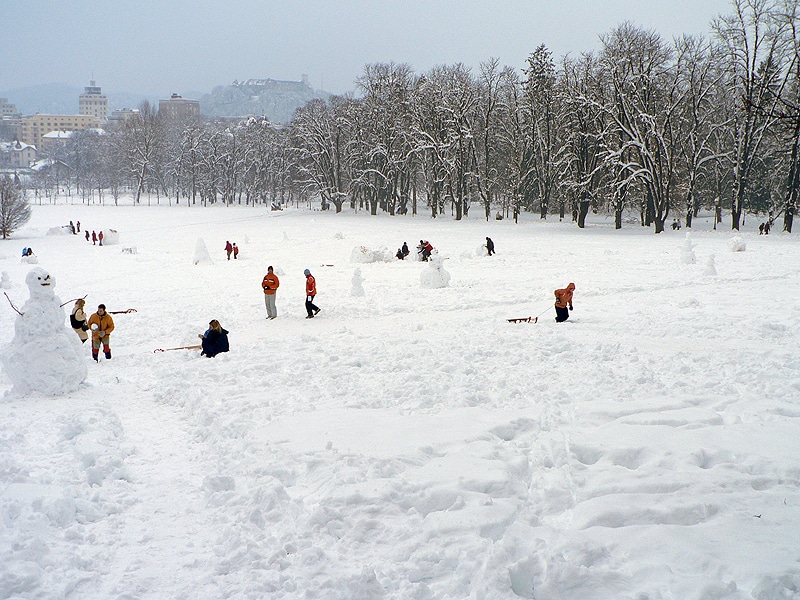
x=156, y=47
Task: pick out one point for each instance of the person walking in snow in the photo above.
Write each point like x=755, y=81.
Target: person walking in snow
x=78, y=225
x=311, y=291
x=100, y=238
x=94, y=238
x=489, y=245
x=87, y=235
x=235, y=251
x=228, y=249
x=78, y=321
x=270, y=283
x=214, y=340
x=101, y=325
x=564, y=299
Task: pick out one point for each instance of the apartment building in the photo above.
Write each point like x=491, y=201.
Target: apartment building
x=93, y=103
x=34, y=127
x=178, y=109
x=6, y=108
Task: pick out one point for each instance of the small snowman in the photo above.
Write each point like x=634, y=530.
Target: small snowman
x=357, y=281
x=710, y=268
x=45, y=355
x=435, y=276
x=5, y=281
x=687, y=251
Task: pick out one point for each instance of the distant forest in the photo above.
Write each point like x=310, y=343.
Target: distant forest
x=661, y=128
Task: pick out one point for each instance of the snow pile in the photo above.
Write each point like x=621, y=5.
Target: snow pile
x=357, y=288
x=5, y=281
x=31, y=259
x=435, y=275
x=737, y=244
x=482, y=250
x=62, y=230
x=338, y=235
x=131, y=250
x=110, y=237
x=362, y=254
x=45, y=355
x=687, y=251
x=201, y=254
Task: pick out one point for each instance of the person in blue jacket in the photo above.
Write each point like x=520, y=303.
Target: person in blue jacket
x=214, y=340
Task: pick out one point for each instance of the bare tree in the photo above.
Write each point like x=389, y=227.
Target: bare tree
x=14, y=209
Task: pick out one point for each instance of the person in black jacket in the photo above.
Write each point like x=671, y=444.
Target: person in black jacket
x=214, y=340
x=489, y=245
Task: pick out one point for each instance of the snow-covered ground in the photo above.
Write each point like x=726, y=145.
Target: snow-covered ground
x=409, y=443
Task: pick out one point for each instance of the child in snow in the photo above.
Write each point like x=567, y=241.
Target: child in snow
x=214, y=340
x=311, y=291
x=235, y=251
x=101, y=325
x=78, y=320
x=564, y=299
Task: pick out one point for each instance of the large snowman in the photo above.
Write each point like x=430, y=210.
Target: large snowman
x=45, y=355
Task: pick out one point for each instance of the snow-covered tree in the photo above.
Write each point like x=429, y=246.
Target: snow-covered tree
x=14, y=209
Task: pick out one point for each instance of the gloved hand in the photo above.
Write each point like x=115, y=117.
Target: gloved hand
x=570, y=307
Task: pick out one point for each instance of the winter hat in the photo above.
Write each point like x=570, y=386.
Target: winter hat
x=306, y=272
x=103, y=306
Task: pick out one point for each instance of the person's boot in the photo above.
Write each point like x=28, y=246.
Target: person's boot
x=316, y=311
x=108, y=355
x=94, y=356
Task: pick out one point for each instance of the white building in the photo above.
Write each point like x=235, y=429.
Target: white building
x=93, y=103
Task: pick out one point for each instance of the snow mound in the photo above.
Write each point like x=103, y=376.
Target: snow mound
x=435, y=276
x=362, y=254
x=736, y=244
x=61, y=230
x=30, y=260
x=338, y=235
x=110, y=237
x=482, y=250
x=5, y=281
x=201, y=254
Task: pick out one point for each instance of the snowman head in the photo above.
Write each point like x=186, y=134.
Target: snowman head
x=40, y=283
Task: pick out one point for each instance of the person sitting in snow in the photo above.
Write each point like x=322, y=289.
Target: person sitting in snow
x=78, y=321
x=101, y=325
x=399, y=254
x=564, y=299
x=405, y=250
x=214, y=340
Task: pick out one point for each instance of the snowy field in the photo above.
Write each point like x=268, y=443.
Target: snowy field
x=410, y=443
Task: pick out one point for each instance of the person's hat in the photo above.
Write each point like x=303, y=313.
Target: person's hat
x=306, y=272
x=103, y=306
x=269, y=268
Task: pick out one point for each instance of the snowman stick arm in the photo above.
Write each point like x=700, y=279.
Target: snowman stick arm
x=73, y=300
x=12, y=304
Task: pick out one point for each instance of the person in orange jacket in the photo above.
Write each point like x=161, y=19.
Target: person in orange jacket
x=270, y=284
x=101, y=325
x=311, y=291
x=564, y=299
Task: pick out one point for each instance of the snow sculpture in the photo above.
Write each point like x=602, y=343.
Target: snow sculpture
x=5, y=281
x=110, y=237
x=687, y=251
x=45, y=355
x=736, y=244
x=357, y=280
x=435, y=276
x=201, y=254
x=710, y=268
x=362, y=254
x=482, y=250
x=31, y=259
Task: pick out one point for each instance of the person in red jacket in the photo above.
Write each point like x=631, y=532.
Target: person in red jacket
x=228, y=249
x=311, y=291
x=270, y=284
x=235, y=251
x=564, y=299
